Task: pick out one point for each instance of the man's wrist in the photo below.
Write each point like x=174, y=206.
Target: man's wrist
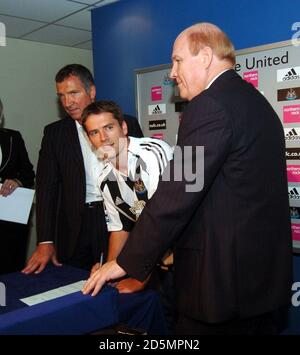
x=18, y=182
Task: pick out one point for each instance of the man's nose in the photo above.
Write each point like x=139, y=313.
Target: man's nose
x=173, y=73
x=103, y=136
x=68, y=101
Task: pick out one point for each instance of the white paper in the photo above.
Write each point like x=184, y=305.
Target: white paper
x=16, y=207
x=54, y=293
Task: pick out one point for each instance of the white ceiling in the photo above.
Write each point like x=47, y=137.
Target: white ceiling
x=62, y=22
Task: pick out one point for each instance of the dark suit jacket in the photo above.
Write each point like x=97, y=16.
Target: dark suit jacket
x=60, y=187
x=15, y=162
x=233, y=253
x=134, y=129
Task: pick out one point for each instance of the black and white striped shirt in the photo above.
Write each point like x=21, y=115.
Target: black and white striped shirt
x=125, y=196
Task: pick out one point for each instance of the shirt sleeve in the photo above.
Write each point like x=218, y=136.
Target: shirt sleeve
x=157, y=162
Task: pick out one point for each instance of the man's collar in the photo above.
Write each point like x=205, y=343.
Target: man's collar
x=133, y=144
x=78, y=125
x=216, y=77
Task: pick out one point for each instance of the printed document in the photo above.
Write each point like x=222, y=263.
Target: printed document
x=16, y=207
x=53, y=294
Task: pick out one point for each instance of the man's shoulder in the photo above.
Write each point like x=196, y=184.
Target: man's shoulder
x=147, y=144
x=10, y=132
x=59, y=124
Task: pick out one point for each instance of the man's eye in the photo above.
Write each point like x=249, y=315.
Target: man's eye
x=92, y=133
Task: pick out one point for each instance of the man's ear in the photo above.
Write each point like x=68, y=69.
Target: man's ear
x=93, y=92
x=206, y=56
x=124, y=128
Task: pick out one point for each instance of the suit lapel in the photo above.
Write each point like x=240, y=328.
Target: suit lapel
x=74, y=144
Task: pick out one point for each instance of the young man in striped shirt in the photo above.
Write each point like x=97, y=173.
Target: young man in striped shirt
x=132, y=167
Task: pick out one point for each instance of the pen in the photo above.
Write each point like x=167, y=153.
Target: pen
x=101, y=259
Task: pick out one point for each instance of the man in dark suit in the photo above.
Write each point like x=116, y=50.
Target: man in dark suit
x=71, y=225
x=232, y=259
x=15, y=170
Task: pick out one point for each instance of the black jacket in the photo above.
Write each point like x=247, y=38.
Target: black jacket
x=60, y=187
x=15, y=162
x=233, y=254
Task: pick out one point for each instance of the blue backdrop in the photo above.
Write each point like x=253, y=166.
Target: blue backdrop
x=133, y=34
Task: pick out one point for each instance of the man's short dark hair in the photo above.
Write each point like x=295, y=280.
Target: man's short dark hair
x=78, y=70
x=100, y=107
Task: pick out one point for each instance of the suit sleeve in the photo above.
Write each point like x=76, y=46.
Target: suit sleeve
x=25, y=172
x=169, y=211
x=134, y=128
x=47, y=188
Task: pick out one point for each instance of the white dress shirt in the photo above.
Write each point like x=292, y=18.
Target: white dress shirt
x=92, y=166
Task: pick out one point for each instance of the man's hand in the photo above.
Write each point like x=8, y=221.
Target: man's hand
x=8, y=187
x=40, y=258
x=107, y=272
x=130, y=285
x=95, y=268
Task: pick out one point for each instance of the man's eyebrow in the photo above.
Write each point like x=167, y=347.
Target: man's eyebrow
x=92, y=130
x=176, y=57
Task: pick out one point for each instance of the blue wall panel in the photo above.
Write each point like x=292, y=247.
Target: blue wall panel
x=132, y=34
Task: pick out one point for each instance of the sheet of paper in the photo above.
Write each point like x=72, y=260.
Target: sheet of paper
x=16, y=207
x=54, y=293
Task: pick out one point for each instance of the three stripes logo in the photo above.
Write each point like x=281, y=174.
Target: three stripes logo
x=288, y=74
x=294, y=193
x=157, y=109
x=291, y=75
x=292, y=134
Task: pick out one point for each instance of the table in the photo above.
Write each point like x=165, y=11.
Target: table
x=75, y=313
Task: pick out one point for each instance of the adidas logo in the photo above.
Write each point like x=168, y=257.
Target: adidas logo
x=292, y=133
x=294, y=193
x=291, y=75
x=118, y=201
x=288, y=74
x=156, y=110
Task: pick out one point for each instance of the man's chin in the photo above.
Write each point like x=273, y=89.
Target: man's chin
x=104, y=155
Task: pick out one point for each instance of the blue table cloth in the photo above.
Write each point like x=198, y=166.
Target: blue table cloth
x=75, y=313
